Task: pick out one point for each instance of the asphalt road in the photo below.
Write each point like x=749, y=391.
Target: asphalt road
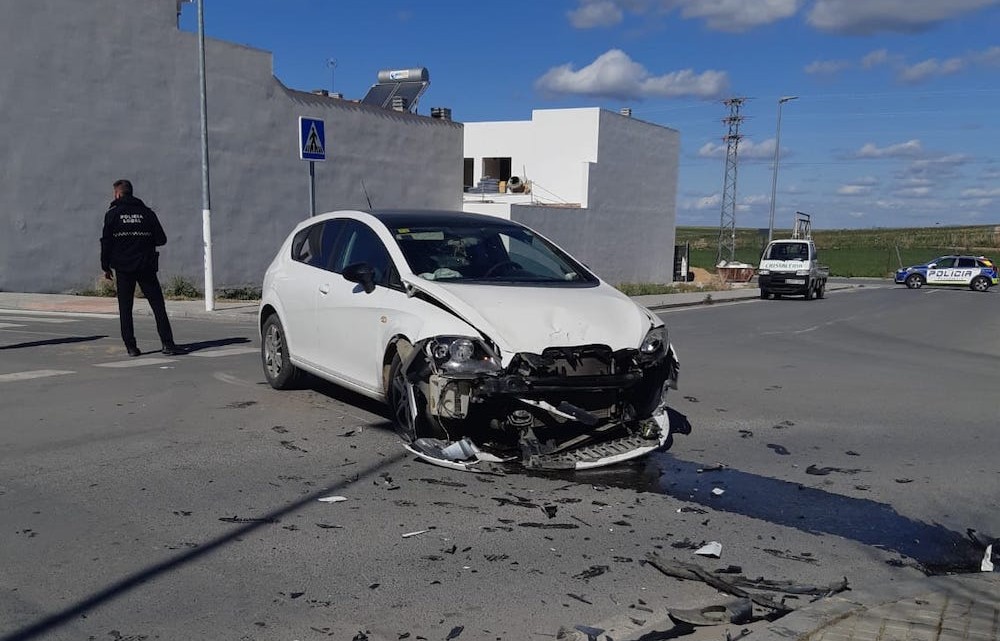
x=168, y=498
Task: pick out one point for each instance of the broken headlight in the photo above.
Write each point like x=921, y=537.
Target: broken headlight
x=462, y=355
x=655, y=343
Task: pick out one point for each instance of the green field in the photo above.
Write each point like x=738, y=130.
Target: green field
x=854, y=252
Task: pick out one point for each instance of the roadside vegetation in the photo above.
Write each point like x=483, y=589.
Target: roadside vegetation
x=175, y=288
x=853, y=252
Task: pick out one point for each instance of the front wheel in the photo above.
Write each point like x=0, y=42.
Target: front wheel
x=915, y=281
x=980, y=284
x=821, y=290
x=274, y=356
x=409, y=425
x=809, y=292
x=764, y=294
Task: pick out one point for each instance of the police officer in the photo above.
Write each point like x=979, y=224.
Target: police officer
x=132, y=232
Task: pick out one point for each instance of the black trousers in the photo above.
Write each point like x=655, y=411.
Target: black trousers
x=150, y=286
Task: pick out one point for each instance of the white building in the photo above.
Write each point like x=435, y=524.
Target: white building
x=602, y=185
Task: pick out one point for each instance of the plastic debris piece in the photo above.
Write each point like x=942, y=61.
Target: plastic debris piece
x=417, y=533
x=460, y=450
x=332, y=499
x=712, y=548
x=718, y=491
x=987, y=564
x=734, y=611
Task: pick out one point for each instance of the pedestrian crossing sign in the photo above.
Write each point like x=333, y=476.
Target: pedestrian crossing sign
x=312, y=139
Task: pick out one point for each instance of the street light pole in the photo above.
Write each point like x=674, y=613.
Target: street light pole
x=774, y=176
x=206, y=201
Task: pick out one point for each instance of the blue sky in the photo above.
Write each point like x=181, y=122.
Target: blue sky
x=895, y=124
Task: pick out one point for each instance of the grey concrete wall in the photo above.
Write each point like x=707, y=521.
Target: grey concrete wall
x=105, y=89
x=627, y=232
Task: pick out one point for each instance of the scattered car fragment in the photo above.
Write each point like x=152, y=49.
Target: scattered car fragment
x=490, y=344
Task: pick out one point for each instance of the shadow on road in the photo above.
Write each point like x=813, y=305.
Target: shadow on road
x=219, y=342
x=135, y=580
x=54, y=341
x=934, y=547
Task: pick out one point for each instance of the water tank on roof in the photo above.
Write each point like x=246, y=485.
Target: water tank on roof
x=417, y=74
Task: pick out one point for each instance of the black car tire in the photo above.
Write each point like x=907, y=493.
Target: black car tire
x=821, y=290
x=980, y=284
x=915, y=281
x=274, y=356
x=409, y=428
x=764, y=294
x=809, y=292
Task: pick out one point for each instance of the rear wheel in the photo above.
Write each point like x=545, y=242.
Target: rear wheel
x=915, y=281
x=980, y=284
x=274, y=356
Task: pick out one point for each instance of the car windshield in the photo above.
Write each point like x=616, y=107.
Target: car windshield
x=787, y=251
x=502, y=252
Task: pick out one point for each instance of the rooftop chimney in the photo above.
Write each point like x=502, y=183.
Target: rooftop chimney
x=441, y=113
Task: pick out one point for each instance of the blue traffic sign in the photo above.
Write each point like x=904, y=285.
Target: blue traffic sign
x=312, y=139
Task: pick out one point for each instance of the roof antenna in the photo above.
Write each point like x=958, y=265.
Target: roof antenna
x=365, y=189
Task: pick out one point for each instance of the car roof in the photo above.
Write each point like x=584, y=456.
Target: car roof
x=394, y=218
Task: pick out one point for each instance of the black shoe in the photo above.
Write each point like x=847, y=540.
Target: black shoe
x=171, y=350
x=133, y=350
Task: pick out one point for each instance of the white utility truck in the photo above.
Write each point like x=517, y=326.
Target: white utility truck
x=791, y=267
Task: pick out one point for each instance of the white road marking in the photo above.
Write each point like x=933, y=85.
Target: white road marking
x=38, y=373
x=9, y=325
x=230, y=351
x=23, y=319
x=136, y=362
x=31, y=312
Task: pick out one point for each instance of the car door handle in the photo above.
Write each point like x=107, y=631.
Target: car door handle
x=324, y=289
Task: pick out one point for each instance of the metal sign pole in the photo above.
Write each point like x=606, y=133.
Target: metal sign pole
x=312, y=189
x=206, y=202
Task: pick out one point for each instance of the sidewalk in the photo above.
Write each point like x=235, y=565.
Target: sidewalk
x=240, y=311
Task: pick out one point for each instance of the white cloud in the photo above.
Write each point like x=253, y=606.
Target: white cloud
x=856, y=214
x=866, y=17
x=875, y=58
x=757, y=199
x=747, y=149
x=614, y=75
x=939, y=163
x=990, y=57
x=913, y=192
x=827, y=67
x=931, y=68
x=736, y=15
x=595, y=13
x=854, y=190
x=705, y=202
x=906, y=149
x=979, y=192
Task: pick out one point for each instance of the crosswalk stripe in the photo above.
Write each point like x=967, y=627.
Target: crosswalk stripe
x=9, y=325
x=230, y=351
x=38, y=373
x=36, y=319
x=137, y=362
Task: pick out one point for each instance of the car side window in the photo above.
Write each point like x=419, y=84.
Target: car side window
x=945, y=263
x=362, y=245
x=314, y=244
x=966, y=262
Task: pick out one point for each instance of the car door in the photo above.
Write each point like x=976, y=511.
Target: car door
x=351, y=324
x=941, y=271
x=312, y=253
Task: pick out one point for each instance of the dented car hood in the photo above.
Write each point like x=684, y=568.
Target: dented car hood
x=530, y=319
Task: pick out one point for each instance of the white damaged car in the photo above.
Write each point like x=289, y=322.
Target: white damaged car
x=489, y=343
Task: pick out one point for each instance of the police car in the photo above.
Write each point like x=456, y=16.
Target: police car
x=978, y=273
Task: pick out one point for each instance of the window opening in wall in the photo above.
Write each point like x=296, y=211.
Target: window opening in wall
x=469, y=172
x=498, y=168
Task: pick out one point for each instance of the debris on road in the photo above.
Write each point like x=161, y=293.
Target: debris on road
x=332, y=499
x=712, y=549
x=778, y=449
x=413, y=534
x=733, y=611
x=718, y=491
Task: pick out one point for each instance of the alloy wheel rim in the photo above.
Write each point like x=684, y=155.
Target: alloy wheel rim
x=272, y=352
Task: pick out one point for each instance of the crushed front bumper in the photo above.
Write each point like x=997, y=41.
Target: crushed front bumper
x=567, y=408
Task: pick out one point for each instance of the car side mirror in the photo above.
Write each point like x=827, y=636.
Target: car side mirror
x=361, y=273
